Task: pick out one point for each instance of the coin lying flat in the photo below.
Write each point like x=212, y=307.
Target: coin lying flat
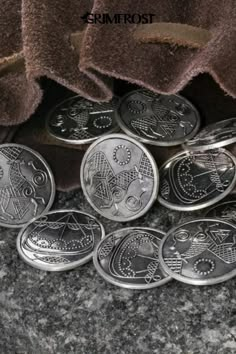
x=59, y=240
x=196, y=180
x=200, y=252
x=213, y=136
x=164, y=120
x=129, y=258
x=225, y=210
x=80, y=121
x=119, y=177
x=27, y=187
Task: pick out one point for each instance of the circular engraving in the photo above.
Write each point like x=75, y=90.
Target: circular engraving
x=119, y=177
x=214, y=136
x=79, y=121
x=196, y=180
x=129, y=258
x=207, y=256
x=27, y=186
x=59, y=240
x=164, y=120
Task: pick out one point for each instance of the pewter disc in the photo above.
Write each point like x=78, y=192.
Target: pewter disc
x=214, y=135
x=164, y=120
x=119, y=177
x=225, y=210
x=200, y=252
x=196, y=180
x=27, y=187
x=129, y=258
x=80, y=121
x=59, y=240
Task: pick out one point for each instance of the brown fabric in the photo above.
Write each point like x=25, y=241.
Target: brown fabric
x=212, y=103
x=173, y=33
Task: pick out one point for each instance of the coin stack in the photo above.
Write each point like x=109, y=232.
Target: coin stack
x=121, y=181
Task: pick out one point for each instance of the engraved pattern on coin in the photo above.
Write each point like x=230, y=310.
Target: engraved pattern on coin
x=191, y=181
x=59, y=240
x=213, y=136
x=205, y=255
x=164, y=120
x=27, y=186
x=119, y=177
x=225, y=210
x=129, y=258
x=79, y=121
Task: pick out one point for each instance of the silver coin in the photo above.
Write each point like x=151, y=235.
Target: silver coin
x=27, y=187
x=129, y=258
x=195, y=180
x=200, y=252
x=213, y=136
x=225, y=210
x=163, y=120
x=59, y=240
x=80, y=121
x=119, y=177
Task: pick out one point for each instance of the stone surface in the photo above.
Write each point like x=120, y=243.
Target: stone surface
x=77, y=312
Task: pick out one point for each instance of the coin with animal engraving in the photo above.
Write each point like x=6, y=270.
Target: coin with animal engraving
x=80, y=121
x=59, y=240
x=200, y=252
x=129, y=258
x=27, y=187
x=196, y=180
x=119, y=177
x=225, y=210
x=213, y=136
x=163, y=120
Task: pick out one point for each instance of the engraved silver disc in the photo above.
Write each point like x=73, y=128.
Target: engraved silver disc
x=225, y=210
x=27, y=187
x=129, y=258
x=196, y=180
x=200, y=252
x=119, y=177
x=213, y=136
x=80, y=121
x=59, y=240
x=163, y=120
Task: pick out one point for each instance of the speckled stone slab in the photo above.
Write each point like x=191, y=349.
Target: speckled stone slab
x=77, y=312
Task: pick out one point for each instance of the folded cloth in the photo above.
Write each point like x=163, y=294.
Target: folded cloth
x=65, y=160
x=113, y=49
x=38, y=39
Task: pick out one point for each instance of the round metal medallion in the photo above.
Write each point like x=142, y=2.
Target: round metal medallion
x=59, y=240
x=119, y=177
x=196, y=180
x=200, y=252
x=80, y=121
x=164, y=120
x=213, y=136
x=27, y=187
x=225, y=210
x=129, y=258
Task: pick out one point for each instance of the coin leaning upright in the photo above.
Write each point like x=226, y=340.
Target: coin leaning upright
x=195, y=180
x=27, y=187
x=119, y=177
x=129, y=258
x=157, y=119
x=200, y=252
x=59, y=240
x=80, y=121
x=213, y=136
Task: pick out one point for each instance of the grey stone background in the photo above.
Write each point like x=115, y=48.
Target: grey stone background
x=78, y=312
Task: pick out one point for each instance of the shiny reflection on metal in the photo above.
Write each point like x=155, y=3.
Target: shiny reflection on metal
x=129, y=258
x=59, y=240
x=200, y=252
x=163, y=120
